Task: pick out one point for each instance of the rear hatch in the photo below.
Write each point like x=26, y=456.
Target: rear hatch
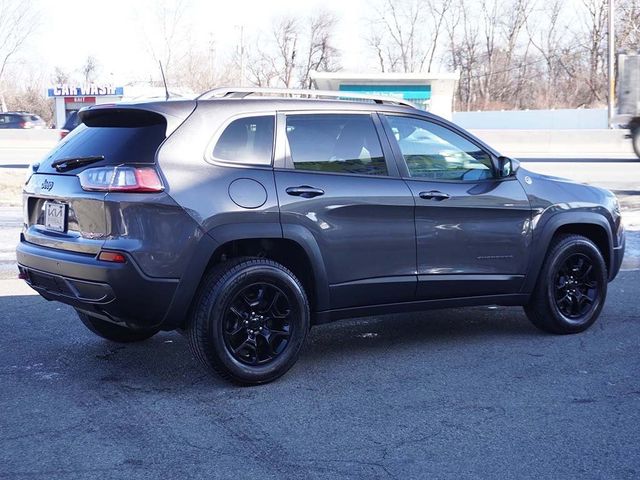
x=114, y=147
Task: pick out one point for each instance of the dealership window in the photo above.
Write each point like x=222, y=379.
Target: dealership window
x=247, y=140
x=340, y=143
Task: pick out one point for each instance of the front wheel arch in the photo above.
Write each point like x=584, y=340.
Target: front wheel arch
x=592, y=226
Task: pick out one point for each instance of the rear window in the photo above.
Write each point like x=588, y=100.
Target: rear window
x=247, y=140
x=133, y=143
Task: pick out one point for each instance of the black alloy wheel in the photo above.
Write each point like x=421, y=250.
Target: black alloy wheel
x=571, y=287
x=577, y=288
x=249, y=320
x=256, y=325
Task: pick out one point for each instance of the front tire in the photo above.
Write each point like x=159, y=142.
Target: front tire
x=571, y=288
x=113, y=332
x=249, y=320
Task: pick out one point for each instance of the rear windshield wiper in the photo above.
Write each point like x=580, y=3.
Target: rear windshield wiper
x=65, y=164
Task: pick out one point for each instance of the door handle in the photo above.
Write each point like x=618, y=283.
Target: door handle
x=434, y=195
x=304, y=191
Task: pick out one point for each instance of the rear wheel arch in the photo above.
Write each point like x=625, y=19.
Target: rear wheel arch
x=297, y=250
x=286, y=252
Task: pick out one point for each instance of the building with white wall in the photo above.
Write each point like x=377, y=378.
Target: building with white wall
x=431, y=91
x=71, y=98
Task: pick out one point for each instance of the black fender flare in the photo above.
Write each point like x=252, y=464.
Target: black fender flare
x=542, y=240
x=307, y=241
x=212, y=240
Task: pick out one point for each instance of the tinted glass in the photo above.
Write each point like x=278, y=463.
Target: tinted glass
x=435, y=152
x=335, y=143
x=72, y=121
x=247, y=140
x=116, y=144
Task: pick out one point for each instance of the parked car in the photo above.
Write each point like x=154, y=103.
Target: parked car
x=21, y=120
x=243, y=219
x=73, y=120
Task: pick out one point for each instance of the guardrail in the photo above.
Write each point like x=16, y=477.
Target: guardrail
x=29, y=138
x=549, y=143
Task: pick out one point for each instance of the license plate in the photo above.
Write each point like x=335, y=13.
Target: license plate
x=55, y=216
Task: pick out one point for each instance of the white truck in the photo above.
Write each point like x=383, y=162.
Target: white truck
x=628, y=90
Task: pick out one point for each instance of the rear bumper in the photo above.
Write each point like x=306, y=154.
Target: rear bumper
x=117, y=292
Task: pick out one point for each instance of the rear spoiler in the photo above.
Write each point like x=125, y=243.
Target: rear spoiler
x=173, y=113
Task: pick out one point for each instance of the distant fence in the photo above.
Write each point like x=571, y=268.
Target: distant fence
x=564, y=119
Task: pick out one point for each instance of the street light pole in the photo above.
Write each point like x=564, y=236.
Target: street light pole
x=242, y=59
x=612, y=79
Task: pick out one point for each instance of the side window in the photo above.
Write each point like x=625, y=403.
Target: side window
x=341, y=143
x=435, y=152
x=247, y=140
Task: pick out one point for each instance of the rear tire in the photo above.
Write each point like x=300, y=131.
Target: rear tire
x=113, y=332
x=249, y=320
x=571, y=288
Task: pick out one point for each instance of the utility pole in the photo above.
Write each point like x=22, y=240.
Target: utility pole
x=242, y=60
x=211, y=58
x=612, y=63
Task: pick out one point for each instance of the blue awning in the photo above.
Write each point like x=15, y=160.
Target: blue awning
x=406, y=92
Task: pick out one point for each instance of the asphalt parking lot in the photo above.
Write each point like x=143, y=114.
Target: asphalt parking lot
x=463, y=393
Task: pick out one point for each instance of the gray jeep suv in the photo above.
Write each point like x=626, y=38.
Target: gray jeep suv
x=243, y=217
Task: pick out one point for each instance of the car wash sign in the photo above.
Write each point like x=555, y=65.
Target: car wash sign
x=86, y=90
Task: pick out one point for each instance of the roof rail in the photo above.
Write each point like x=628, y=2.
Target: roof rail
x=243, y=92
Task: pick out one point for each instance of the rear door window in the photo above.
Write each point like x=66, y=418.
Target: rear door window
x=339, y=143
x=247, y=140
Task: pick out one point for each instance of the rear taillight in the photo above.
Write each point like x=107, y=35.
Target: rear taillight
x=63, y=133
x=121, y=179
x=26, y=125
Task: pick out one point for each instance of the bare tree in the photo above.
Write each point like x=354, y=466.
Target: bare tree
x=321, y=55
x=166, y=36
x=286, y=34
x=60, y=76
x=262, y=69
x=405, y=33
x=18, y=20
x=294, y=48
x=464, y=50
x=89, y=69
x=594, y=42
x=628, y=25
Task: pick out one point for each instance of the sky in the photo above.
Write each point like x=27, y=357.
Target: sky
x=71, y=30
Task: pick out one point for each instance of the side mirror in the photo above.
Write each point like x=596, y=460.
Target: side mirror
x=507, y=166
